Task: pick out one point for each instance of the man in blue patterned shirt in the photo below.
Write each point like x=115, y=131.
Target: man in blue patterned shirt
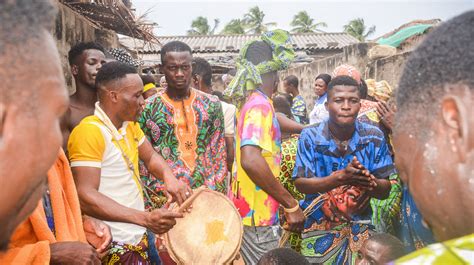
x=341, y=163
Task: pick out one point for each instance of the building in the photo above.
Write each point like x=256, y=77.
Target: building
x=222, y=50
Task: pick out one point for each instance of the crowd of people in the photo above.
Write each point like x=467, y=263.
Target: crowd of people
x=370, y=175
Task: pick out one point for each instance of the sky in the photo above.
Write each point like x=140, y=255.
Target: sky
x=174, y=17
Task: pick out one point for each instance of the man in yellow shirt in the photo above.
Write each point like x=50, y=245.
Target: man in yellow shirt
x=104, y=150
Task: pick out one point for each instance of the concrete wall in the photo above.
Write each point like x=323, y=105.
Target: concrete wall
x=71, y=28
x=389, y=69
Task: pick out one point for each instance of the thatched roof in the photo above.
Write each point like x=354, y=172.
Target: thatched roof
x=114, y=15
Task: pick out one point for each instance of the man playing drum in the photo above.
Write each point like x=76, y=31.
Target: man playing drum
x=104, y=150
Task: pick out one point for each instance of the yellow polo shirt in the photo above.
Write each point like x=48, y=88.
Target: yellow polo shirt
x=92, y=144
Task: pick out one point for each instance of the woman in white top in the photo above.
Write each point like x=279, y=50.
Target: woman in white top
x=319, y=112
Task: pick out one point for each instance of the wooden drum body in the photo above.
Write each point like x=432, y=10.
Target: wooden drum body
x=210, y=234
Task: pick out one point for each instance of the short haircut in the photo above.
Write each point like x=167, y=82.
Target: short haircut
x=396, y=247
x=292, y=80
x=203, y=68
x=282, y=256
x=113, y=71
x=22, y=20
x=342, y=80
x=146, y=79
x=445, y=57
x=325, y=77
x=80, y=47
x=174, y=46
x=259, y=52
x=282, y=104
x=22, y=24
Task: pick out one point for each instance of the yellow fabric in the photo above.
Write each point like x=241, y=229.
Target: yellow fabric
x=92, y=147
x=148, y=87
x=30, y=241
x=89, y=148
x=381, y=90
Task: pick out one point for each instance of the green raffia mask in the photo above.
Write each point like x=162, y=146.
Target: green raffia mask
x=248, y=76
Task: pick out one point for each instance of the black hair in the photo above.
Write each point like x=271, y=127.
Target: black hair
x=113, y=71
x=446, y=56
x=218, y=94
x=174, y=46
x=364, y=90
x=202, y=67
x=80, y=47
x=282, y=104
x=342, y=80
x=22, y=20
x=146, y=79
x=23, y=24
x=259, y=52
x=325, y=77
x=396, y=247
x=282, y=256
x=292, y=80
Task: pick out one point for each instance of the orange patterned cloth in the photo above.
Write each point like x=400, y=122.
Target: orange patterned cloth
x=348, y=70
x=185, y=128
x=30, y=241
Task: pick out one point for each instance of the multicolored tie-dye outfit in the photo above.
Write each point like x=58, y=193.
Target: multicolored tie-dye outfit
x=189, y=134
x=257, y=125
x=336, y=228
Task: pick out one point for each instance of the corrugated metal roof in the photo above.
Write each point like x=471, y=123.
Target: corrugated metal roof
x=233, y=43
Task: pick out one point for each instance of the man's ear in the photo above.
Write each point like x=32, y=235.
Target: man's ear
x=455, y=118
x=74, y=69
x=113, y=96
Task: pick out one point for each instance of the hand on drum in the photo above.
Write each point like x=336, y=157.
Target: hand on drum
x=161, y=220
x=176, y=190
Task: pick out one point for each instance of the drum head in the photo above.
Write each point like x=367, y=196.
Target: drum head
x=210, y=234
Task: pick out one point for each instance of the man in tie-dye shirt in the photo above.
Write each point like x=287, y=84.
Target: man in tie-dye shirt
x=255, y=190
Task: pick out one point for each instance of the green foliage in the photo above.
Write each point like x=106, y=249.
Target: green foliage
x=358, y=29
x=253, y=21
x=303, y=23
x=235, y=26
x=200, y=26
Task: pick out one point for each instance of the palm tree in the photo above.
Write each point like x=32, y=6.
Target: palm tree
x=357, y=29
x=200, y=26
x=303, y=23
x=235, y=26
x=254, y=21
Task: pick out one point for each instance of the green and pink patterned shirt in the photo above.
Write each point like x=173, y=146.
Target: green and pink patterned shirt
x=189, y=135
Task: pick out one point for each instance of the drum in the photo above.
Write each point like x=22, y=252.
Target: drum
x=211, y=233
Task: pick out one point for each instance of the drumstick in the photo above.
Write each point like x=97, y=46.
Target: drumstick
x=190, y=200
